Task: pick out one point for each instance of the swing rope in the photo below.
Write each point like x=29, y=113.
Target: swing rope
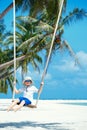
x=14, y=84
x=48, y=58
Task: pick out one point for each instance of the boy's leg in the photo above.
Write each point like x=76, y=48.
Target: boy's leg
x=19, y=106
x=13, y=104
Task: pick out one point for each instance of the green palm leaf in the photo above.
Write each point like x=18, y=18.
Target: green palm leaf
x=75, y=15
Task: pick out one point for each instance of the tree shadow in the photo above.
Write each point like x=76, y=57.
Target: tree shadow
x=24, y=124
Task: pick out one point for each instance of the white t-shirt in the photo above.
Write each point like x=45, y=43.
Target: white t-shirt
x=28, y=92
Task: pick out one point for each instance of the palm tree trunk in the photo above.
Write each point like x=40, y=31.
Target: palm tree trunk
x=7, y=64
x=6, y=10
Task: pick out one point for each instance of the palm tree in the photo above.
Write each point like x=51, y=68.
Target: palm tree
x=46, y=30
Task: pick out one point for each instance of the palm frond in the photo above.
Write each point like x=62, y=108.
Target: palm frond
x=18, y=35
x=10, y=80
x=30, y=40
x=3, y=86
x=8, y=40
x=42, y=27
x=76, y=14
x=72, y=53
x=24, y=66
x=20, y=27
x=27, y=18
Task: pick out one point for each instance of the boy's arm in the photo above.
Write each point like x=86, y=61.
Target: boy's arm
x=16, y=90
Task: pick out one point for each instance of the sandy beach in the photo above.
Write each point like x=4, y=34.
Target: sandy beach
x=49, y=115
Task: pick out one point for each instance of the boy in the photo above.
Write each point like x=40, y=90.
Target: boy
x=27, y=98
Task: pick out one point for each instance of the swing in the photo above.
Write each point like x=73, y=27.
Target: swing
x=30, y=105
x=48, y=58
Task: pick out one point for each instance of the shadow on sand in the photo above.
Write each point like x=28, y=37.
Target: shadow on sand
x=20, y=125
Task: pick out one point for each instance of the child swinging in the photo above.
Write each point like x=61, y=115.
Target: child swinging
x=27, y=99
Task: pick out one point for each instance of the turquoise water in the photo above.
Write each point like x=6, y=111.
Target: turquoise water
x=77, y=103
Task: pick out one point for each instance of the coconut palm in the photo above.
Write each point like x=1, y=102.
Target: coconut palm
x=45, y=29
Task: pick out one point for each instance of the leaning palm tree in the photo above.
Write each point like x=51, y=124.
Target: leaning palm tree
x=43, y=31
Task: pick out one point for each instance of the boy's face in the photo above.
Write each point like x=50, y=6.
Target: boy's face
x=28, y=82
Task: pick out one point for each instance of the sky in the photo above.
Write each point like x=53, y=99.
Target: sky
x=64, y=79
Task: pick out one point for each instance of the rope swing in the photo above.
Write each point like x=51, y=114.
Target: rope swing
x=48, y=58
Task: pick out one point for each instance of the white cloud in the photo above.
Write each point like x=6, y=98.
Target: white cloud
x=82, y=56
x=76, y=81
x=67, y=65
x=54, y=83
x=71, y=74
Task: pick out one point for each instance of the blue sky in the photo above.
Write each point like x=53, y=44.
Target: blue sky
x=64, y=79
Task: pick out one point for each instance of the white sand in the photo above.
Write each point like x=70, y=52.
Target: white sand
x=49, y=115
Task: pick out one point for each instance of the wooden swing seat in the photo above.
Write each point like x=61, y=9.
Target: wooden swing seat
x=30, y=105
